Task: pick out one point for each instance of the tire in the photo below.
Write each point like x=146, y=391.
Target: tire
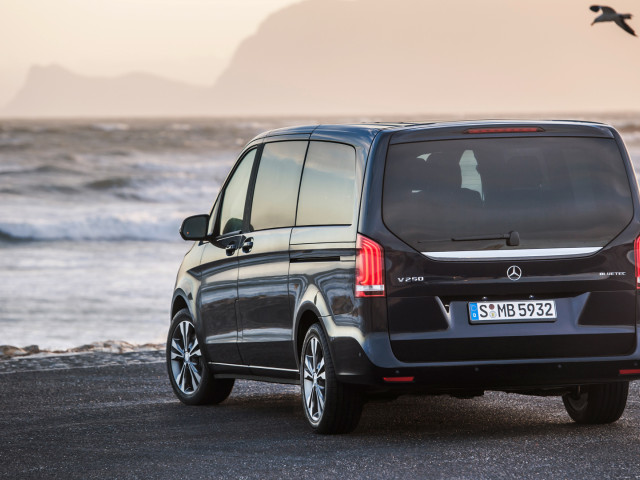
x=329, y=406
x=192, y=381
x=597, y=404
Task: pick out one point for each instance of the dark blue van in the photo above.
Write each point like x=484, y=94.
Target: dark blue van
x=442, y=258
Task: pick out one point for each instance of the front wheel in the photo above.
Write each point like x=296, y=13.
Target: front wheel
x=597, y=404
x=190, y=377
x=329, y=406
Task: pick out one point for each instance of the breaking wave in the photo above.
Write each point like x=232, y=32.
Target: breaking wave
x=109, y=183
x=109, y=228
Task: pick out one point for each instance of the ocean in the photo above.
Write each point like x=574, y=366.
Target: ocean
x=89, y=218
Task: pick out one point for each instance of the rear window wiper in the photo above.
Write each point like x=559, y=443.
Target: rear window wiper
x=512, y=238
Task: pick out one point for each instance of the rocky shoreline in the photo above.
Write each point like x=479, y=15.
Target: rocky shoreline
x=110, y=346
x=98, y=354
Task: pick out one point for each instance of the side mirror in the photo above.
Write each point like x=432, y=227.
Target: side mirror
x=195, y=227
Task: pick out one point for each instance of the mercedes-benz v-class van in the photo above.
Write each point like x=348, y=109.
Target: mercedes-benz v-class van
x=442, y=258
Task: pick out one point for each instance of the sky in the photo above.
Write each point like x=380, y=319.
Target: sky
x=522, y=55
x=188, y=40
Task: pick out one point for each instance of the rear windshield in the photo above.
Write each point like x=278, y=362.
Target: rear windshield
x=554, y=192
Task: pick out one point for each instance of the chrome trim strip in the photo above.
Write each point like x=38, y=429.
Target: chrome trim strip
x=229, y=364
x=522, y=253
x=278, y=369
x=252, y=366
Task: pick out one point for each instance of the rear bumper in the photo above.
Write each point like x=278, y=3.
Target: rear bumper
x=354, y=366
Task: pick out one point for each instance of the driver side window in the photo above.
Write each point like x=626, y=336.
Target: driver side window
x=235, y=196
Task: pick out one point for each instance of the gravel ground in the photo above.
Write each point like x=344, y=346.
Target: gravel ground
x=103, y=415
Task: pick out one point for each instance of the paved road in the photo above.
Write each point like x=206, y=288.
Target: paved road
x=115, y=417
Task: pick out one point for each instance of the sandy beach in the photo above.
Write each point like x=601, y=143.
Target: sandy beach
x=105, y=415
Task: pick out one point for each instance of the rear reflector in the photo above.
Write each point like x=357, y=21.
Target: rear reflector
x=636, y=255
x=505, y=130
x=633, y=371
x=398, y=379
x=369, y=268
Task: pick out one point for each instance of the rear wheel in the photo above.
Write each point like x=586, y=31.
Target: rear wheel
x=329, y=406
x=597, y=404
x=191, y=379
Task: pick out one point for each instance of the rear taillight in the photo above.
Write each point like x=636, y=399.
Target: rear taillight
x=369, y=268
x=636, y=255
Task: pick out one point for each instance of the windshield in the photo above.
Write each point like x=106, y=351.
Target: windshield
x=554, y=192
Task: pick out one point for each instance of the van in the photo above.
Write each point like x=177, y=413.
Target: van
x=443, y=258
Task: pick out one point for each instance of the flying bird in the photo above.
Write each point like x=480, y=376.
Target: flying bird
x=610, y=15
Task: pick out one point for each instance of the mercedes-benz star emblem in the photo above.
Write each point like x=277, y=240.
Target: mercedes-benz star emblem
x=514, y=273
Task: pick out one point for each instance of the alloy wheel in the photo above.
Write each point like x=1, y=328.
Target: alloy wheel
x=314, y=380
x=186, y=358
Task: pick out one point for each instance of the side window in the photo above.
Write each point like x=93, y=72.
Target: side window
x=276, y=190
x=235, y=196
x=327, y=189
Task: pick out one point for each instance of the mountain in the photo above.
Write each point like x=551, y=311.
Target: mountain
x=390, y=57
x=425, y=56
x=55, y=91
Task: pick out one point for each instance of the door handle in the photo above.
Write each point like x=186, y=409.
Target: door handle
x=231, y=248
x=247, y=245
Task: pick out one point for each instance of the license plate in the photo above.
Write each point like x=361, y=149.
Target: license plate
x=522, y=311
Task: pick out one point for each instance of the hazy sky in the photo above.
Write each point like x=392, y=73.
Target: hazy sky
x=188, y=40
x=502, y=48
